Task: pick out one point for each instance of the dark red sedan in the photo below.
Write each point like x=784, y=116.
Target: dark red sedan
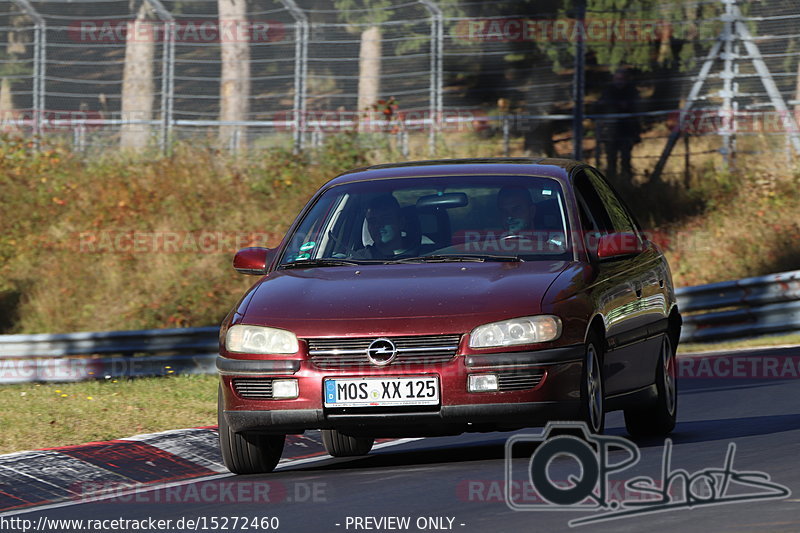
x=439, y=297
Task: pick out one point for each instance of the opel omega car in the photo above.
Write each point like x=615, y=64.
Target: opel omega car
x=442, y=297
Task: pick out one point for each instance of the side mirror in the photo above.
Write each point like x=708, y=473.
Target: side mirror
x=618, y=245
x=253, y=261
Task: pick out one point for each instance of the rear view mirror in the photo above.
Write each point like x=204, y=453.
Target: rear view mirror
x=443, y=200
x=253, y=261
x=618, y=245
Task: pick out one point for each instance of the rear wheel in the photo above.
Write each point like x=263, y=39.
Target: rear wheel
x=339, y=445
x=659, y=418
x=244, y=453
x=592, y=389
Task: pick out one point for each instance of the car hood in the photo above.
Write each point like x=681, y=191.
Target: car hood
x=425, y=298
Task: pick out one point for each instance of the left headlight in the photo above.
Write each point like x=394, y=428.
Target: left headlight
x=259, y=339
x=523, y=330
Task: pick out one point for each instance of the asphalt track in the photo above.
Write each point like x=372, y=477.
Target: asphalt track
x=462, y=478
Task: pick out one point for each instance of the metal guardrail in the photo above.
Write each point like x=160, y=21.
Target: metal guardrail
x=742, y=308
x=74, y=356
x=719, y=311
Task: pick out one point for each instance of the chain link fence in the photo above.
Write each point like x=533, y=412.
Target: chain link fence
x=703, y=80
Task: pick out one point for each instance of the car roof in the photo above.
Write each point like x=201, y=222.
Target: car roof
x=527, y=166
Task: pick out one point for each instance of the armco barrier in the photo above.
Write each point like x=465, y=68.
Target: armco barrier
x=108, y=354
x=719, y=311
x=742, y=308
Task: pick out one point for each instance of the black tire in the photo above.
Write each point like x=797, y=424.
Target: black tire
x=592, y=387
x=247, y=453
x=658, y=419
x=339, y=445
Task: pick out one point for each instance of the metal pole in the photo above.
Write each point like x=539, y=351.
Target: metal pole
x=578, y=83
x=167, y=61
x=766, y=79
x=301, y=35
x=432, y=93
x=40, y=41
x=727, y=82
x=164, y=87
x=37, y=80
x=694, y=93
x=506, y=135
x=436, y=51
x=304, y=80
x=42, y=74
x=440, y=69
x=171, y=77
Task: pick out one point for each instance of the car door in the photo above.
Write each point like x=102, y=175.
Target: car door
x=633, y=346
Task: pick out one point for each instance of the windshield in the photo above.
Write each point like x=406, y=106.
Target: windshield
x=452, y=218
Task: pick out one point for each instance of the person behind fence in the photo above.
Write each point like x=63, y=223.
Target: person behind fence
x=620, y=134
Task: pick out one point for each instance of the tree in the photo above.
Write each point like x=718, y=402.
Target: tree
x=664, y=33
x=235, y=82
x=11, y=66
x=366, y=17
x=137, y=80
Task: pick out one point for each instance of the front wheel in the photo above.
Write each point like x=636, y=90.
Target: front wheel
x=659, y=418
x=244, y=453
x=592, y=389
x=339, y=445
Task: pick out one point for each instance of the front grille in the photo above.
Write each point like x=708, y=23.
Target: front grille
x=421, y=349
x=253, y=388
x=519, y=379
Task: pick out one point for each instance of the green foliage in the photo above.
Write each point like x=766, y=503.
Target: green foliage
x=364, y=11
x=671, y=21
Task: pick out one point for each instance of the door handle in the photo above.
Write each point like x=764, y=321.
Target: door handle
x=638, y=288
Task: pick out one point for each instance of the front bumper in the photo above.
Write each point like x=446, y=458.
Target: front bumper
x=555, y=397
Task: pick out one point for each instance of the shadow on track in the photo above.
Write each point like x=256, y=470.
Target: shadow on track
x=494, y=447
x=725, y=429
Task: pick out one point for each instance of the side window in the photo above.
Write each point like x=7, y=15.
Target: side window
x=594, y=217
x=620, y=219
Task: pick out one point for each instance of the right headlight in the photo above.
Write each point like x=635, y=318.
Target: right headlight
x=260, y=339
x=523, y=330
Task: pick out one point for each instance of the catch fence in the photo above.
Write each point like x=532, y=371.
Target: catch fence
x=711, y=79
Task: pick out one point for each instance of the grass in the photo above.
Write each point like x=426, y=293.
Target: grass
x=51, y=415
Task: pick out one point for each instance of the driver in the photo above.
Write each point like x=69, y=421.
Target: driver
x=517, y=209
x=386, y=226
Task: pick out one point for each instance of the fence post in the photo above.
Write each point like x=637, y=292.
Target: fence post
x=435, y=96
x=300, y=70
x=727, y=93
x=506, y=135
x=167, y=71
x=578, y=81
x=39, y=43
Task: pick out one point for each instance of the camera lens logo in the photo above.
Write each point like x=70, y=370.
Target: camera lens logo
x=381, y=352
x=599, y=457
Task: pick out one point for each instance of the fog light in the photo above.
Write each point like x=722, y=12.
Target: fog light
x=482, y=383
x=285, y=389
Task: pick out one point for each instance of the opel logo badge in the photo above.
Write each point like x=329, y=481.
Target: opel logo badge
x=381, y=352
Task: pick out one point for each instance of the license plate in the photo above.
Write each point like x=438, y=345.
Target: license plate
x=375, y=392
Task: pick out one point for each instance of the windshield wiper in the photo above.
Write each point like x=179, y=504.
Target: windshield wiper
x=324, y=262
x=461, y=258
